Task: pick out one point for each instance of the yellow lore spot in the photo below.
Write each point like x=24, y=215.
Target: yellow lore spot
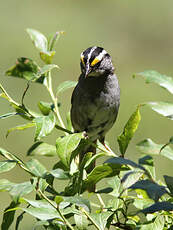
x=95, y=61
x=82, y=60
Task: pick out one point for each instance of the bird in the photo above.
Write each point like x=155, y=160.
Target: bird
x=96, y=98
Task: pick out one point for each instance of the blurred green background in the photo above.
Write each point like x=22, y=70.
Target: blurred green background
x=137, y=34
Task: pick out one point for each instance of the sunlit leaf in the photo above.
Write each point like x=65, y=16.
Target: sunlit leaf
x=36, y=168
x=39, y=203
x=5, y=185
x=40, y=223
x=10, y=156
x=158, y=224
x=39, y=40
x=153, y=190
x=152, y=76
x=65, y=85
x=46, y=68
x=66, y=145
x=148, y=163
x=98, y=173
x=47, y=56
x=131, y=177
x=163, y=108
x=78, y=201
x=53, y=39
x=42, y=149
x=41, y=213
x=44, y=126
x=101, y=219
x=141, y=202
x=20, y=127
x=19, y=190
x=129, y=130
x=59, y=174
x=7, y=165
x=147, y=146
x=81, y=222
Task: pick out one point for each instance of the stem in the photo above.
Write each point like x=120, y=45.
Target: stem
x=62, y=129
x=58, y=210
x=7, y=95
x=90, y=218
x=54, y=99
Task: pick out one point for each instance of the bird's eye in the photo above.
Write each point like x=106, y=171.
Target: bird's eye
x=82, y=60
x=95, y=61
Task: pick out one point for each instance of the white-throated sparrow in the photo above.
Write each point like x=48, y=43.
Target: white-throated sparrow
x=96, y=98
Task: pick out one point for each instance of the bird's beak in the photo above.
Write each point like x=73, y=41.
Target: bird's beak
x=88, y=70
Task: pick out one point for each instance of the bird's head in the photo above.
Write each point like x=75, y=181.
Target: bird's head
x=95, y=62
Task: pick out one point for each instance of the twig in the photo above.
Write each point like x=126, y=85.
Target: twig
x=90, y=218
x=56, y=207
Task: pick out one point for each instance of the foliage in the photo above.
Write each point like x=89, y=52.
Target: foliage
x=134, y=198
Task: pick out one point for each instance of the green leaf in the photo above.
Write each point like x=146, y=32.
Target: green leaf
x=42, y=149
x=65, y=85
x=58, y=199
x=20, y=127
x=45, y=107
x=25, y=68
x=36, y=168
x=39, y=203
x=40, y=223
x=69, y=124
x=19, y=190
x=169, y=183
x=159, y=206
x=53, y=39
x=148, y=163
x=119, y=161
x=163, y=108
x=46, y=68
x=131, y=177
x=147, y=146
x=141, y=202
x=8, y=217
x=60, y=174
x=93, y=158
x=47, y=56
x=39, y=40
x=81, y=222
x=129, y=130
x=39, y=183
x=78, y=201
x=101, y=219
x=41, y=213
x=98, y=173
x=44, y=126
x=152, y=76
x=11, y=156
x=115, y=184
x=158, y=224
x=5, y=185
x=153, y=190
x=66, y=145
x=7, y=165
